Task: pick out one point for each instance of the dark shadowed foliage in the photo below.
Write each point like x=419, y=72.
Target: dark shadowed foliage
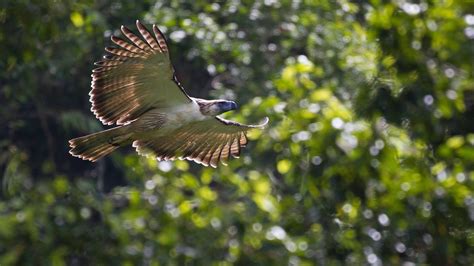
x=368, y=157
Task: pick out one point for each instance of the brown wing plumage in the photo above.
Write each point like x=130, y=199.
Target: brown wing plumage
x=206, y=142
x=135, y=77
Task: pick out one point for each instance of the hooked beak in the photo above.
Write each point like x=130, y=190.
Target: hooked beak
x=233, y=105
x=227, y=106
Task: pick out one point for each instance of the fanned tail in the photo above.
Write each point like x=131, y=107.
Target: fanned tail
x=95, y=146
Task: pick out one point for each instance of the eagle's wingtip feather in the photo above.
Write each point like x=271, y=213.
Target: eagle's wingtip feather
x=263, y=124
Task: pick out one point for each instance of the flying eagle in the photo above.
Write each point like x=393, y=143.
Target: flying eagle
x=135, y=87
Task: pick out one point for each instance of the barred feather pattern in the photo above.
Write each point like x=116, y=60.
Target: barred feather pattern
x=134, y=86
x=206, y=142
x=97, y=145
x=136, y=76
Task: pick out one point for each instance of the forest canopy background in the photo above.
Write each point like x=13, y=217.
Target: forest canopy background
x=368, y=157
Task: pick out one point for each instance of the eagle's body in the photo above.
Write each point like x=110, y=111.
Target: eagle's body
x=135, y=88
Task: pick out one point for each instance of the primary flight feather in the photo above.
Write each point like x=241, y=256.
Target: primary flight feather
x=135, y=87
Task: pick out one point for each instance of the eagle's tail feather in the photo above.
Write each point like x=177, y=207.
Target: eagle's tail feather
x=97, y=145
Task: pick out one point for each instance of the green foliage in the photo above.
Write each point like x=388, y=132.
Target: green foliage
x=368, y=157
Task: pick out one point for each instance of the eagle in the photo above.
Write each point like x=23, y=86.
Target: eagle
x=135, y=88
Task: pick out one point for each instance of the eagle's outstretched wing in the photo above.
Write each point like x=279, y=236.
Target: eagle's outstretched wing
x=135, y=77
x=206, y=142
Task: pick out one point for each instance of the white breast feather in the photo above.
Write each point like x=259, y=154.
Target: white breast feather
x=185, y=113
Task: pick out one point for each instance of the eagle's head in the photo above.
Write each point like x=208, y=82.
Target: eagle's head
x=215, y=107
